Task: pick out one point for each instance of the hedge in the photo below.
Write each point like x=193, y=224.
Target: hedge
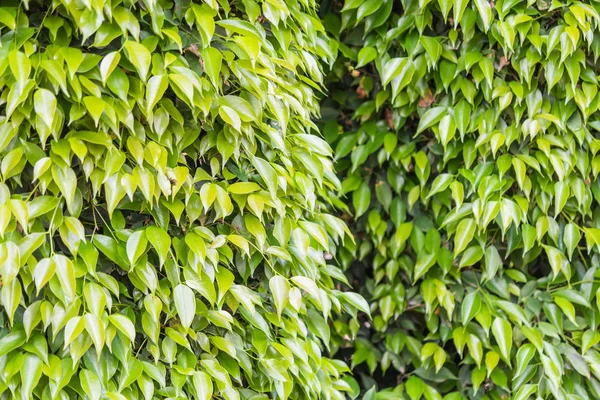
x=163, y=220
x=466, y=137
x=173, y=220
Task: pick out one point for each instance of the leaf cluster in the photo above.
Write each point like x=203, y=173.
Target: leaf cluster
x=466, y=137
x=162, y=231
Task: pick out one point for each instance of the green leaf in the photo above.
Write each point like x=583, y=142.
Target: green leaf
x=95, y=298
x=525, y=392
x=357, y=301
x=524, y=356
x=13, y=340
x=11, y=296
x=124, y=324
x=31, y=372
x=447, y=129
x=140, y=57
x=66, y=180
x=108, y=65
x=7, y=19
x=502, y=331
x=212, y=64
x=475, y=348
x=243, y=188
x=432, y=116
x=361, y=199
x=66, y=275
x=367, y=8
x=470, y=307
x=95, y=107
x=485, y=13
x=424, y=262
x=571, y=238
x=573, y=296
x=280, y=289
x=136, y=245
x=351, y=4
x=231, y=117
x=365, y=56
x=44, y=103
x=160, y=240
x=392, y=69
x=464, y=234
x=155, y=89
x=414, y=387
x=185, y=304
x=432, y=47
x=567, y=307
x=561, y=195
x=203, y=385
x=118, y=83
x=551, y=371
x=316, y=231
x=90, y=384
x=73, y=329
x=439, y=358
x=20, y=66
x=240, y=27
x=555, y=258
x=240, y=242
x=440, y=183
x=515, y=312
x=493, y=262
x=96, y=329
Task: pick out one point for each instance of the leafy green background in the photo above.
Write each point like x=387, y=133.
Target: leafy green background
x=465, y=138
x=162, y=230
x=250, y=200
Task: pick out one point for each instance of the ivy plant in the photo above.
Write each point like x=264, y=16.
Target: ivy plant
x=163, y=233
x=466, y=138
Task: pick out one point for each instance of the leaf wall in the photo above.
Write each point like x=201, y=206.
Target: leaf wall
x=466, y=138
x=162, y=231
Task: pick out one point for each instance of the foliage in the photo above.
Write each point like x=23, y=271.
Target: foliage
x=466, y=134
x=162, y=233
